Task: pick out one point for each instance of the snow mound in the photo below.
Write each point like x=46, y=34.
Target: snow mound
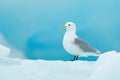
x=44, y=70
x=4, y=51
x=107, y=67
x=14, y=53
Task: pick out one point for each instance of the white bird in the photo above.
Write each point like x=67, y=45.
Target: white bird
x=76, y=46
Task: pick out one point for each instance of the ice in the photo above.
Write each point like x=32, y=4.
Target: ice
x=107, y=67
x=45, y=70
x=4, y=51
x=14, y=53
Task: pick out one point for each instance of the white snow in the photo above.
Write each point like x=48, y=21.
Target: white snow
x=15, y=53
x=16, y=69
x=4, y=51
x=107, y=67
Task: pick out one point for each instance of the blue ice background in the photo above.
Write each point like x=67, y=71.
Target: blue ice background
x=33, y=25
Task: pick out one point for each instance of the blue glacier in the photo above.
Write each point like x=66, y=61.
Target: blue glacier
x=32, y=26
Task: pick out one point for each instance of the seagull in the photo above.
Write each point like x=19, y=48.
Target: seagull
x=75, y=45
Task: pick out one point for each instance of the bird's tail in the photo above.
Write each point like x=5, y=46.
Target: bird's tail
x=98, y=53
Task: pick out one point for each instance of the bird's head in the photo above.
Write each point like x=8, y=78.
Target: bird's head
x=69, y=26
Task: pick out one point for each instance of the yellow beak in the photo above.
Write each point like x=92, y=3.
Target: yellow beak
x=63, y=26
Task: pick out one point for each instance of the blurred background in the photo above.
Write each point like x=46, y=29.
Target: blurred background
x=32, y=27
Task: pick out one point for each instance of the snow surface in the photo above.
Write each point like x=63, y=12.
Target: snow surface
x=107, y=67
x=15, y=53
x=4, y=51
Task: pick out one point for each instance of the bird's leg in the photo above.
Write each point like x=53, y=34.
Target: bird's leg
x=74, y=58
x=77, y=57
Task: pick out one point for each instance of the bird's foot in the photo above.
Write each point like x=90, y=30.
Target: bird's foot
x=72, y=60
x=75, y=58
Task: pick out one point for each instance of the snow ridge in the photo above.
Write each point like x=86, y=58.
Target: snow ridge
x=107, y=67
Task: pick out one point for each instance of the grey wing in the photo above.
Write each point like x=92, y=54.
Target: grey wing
x=84, y=45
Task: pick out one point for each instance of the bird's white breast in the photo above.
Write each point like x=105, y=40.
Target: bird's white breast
x=68, y=43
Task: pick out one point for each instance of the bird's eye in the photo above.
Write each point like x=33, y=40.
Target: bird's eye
x=68, y=24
